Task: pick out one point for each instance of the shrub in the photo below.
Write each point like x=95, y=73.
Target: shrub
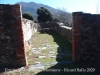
x=28, y=16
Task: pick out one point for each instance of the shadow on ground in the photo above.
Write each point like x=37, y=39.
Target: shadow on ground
x=68, y=67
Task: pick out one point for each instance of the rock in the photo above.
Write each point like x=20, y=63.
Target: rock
x=42, y=48
x=46, y=64
x=51, y=52
x=54, y=63
x=52, y=56
x=37, y=62
x=36, y=67
x=33, y=48
x=37, y=52
x=48, y=45
x=33, y=51
x=39, y=48
x=41, y=56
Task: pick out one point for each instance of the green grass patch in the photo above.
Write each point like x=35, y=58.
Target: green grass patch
x=45, y=51
x=53, y=39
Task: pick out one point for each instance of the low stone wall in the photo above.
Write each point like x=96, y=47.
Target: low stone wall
x=29, y=29
x=60, y=28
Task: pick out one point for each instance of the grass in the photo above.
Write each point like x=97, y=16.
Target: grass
x=45, y=51
x=54, y=40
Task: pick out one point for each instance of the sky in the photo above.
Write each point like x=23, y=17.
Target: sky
x=87, y=6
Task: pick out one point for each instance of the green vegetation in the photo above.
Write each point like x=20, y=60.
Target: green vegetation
x=55, y=41
x=28, y=15
x=44, y=15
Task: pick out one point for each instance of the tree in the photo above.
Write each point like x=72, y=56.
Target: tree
x=63, y=16
x=28, y=16
x=44, y=15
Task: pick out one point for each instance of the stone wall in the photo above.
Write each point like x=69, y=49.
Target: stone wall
x=12, y=48
x=86, y=36
x=60, y=28
x=29, y=29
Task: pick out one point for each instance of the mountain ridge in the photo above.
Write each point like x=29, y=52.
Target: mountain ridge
x=32, y=7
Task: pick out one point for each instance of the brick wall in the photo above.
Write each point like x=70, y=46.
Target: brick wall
x=77, y=20
x=12, y=50
x=86, y=36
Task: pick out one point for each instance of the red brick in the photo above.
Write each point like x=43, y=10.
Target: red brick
x=77, y=20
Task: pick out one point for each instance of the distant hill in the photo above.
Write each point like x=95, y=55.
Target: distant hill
x=32, y=7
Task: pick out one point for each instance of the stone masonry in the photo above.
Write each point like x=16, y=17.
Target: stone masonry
x=86, y=36
x=60, y=28
x=12, y=50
